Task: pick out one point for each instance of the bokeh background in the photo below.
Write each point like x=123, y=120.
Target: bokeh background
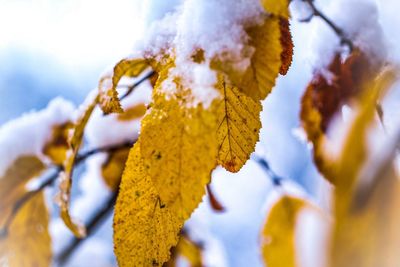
x=60, y=48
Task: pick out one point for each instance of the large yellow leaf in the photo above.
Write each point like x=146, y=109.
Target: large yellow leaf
x=108, y=99
x=145, y=229
x=179, y=148
x=27, y=242
x=277, y=7
x=259, y=79
x=238, y=127
x=75, y=141
x=278, y=236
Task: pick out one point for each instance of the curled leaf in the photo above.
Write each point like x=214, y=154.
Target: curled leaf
x=75, y=140
x=215, y=204
x=108, y=95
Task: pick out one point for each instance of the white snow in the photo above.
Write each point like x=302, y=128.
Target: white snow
x=360, y=22
x=28, y=134
x=216, y=27
x=107, y=130
x=312, y=238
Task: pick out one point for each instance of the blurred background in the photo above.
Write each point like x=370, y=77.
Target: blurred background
x=60, y=48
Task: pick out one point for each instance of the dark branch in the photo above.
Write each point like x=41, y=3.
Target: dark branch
x=136, y=84
x=52, y=178
x=276, y=179
x=94, y=223
x=25, y=198
x=107, y=149
x=344, y=40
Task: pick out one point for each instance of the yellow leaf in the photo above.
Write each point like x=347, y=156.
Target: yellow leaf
x=12, y=184
x=277, y=7
x=75, y=141
x=238, y=128
x=179, y=147
x=187, y=249
x=324, y=99
x=366, y=229
x=278, y=236
x=108, y=95
x=56, y=149
x=145, y=228
x=259, y=79
x=113, y=168
x=27, y=242
x=135, y=112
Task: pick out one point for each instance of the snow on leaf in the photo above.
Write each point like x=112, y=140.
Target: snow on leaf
x=145, y=228
x=238, y=127
x=75, y=140
x=277, y=7
x=27, y=243
x=108, y=95
x=278, y=236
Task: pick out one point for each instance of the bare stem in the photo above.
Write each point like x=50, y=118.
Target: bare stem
x=51, y=179
x=276, y=179
x=344, y=40
x=136, y=84
x=94, y=223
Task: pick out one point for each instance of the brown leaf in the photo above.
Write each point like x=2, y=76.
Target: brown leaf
x=215, y=204
x=287, y=46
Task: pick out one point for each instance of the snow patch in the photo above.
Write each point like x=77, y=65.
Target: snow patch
x=28, y=134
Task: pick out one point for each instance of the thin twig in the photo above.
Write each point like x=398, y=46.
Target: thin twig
x=276, y=179
x=51, y=179
x=107, y=149
x=344, y=40
x=25, y=198
x=94, y=223
x=136, y=84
